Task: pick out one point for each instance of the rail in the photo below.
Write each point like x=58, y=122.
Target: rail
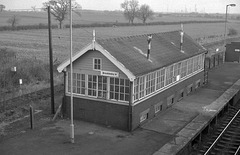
x=209, y=149
x=238, y=151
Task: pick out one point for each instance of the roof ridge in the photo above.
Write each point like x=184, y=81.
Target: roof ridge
x=134, y=36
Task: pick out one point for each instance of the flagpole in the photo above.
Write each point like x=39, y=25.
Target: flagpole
x=71, y=75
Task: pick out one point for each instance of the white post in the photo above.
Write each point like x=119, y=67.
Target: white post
x=71, y=75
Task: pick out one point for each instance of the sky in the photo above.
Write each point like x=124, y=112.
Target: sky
x=202, y=6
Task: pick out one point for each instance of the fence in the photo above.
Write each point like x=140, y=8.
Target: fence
x=214, y=60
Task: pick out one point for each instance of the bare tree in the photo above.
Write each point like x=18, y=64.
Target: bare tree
x=130, y=9
x=33, y=8
x=60, y=8
x=145, y=12
x=13, y=21
x=2, y=7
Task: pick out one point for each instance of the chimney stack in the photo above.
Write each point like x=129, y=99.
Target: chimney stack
x=149, y=46
x=181, y=42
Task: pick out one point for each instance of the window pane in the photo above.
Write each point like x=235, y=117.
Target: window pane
x=89, y=77
x=111, y=88
x=116, y=96
x=100, y=87
x=126, y=89
x=111, y=80
x=99, y=78
x=83, y=84
x=126, y=97
x=105, y=87
x=122, y=82
x=116, y=88
x=116, y=81
x=94, y=78
x=89, y=92
x=82, y=91
x=89, y=85
x=122, y=97
x=94, y=93
x=127, y=82
x=111, y=95
x=122, y=89
x=104, y=79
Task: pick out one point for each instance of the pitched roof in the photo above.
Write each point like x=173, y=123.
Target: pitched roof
x=129, y=53
x=165, y=50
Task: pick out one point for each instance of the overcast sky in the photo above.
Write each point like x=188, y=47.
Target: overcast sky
x=208, y=6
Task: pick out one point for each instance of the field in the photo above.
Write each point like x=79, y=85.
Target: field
x=34, y=43
x=89, y=17
x=31, y=45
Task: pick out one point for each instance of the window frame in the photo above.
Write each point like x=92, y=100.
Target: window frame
x=100, y=64
x=123, y=89
x=143, y=116
x=158, y=107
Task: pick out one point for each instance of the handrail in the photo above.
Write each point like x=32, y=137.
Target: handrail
x=236, y=153
x=221, y=134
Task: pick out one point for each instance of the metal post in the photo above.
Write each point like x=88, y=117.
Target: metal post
x=225, y=31
x=51, y=61
x=31, y=117
x=71, y=75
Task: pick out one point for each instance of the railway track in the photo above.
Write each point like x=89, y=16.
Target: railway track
x=30, y=97
x=225, y=137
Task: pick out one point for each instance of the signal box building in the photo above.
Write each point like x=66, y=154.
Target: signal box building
x=123, y=82
x=233, y=52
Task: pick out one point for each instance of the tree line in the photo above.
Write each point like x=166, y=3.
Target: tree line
x=60, y=10
x=133, y=10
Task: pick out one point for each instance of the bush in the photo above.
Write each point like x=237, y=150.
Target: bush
x=29, y=70
x=232, y=32
x=27, y=27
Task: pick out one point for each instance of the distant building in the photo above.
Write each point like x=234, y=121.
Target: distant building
x=233, y=52
x=123, y=82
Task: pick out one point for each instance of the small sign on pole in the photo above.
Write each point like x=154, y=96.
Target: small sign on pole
x=20, y=81
x=14, y=69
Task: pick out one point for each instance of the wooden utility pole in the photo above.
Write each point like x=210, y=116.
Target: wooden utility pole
x=51, y=61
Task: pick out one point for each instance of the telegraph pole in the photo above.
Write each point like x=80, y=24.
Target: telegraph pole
x=51, y=61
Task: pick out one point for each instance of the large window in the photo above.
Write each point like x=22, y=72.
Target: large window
x=169, y=75
x=177, y=69
x=160, y=79
x=102, y=87
x=92, y=85
x=195, y=64
x=141, y=86
x=150, y=83
x=184, y=69
x=136, y=88
x=190, y=66
x=119, y=89
x=78, y=83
